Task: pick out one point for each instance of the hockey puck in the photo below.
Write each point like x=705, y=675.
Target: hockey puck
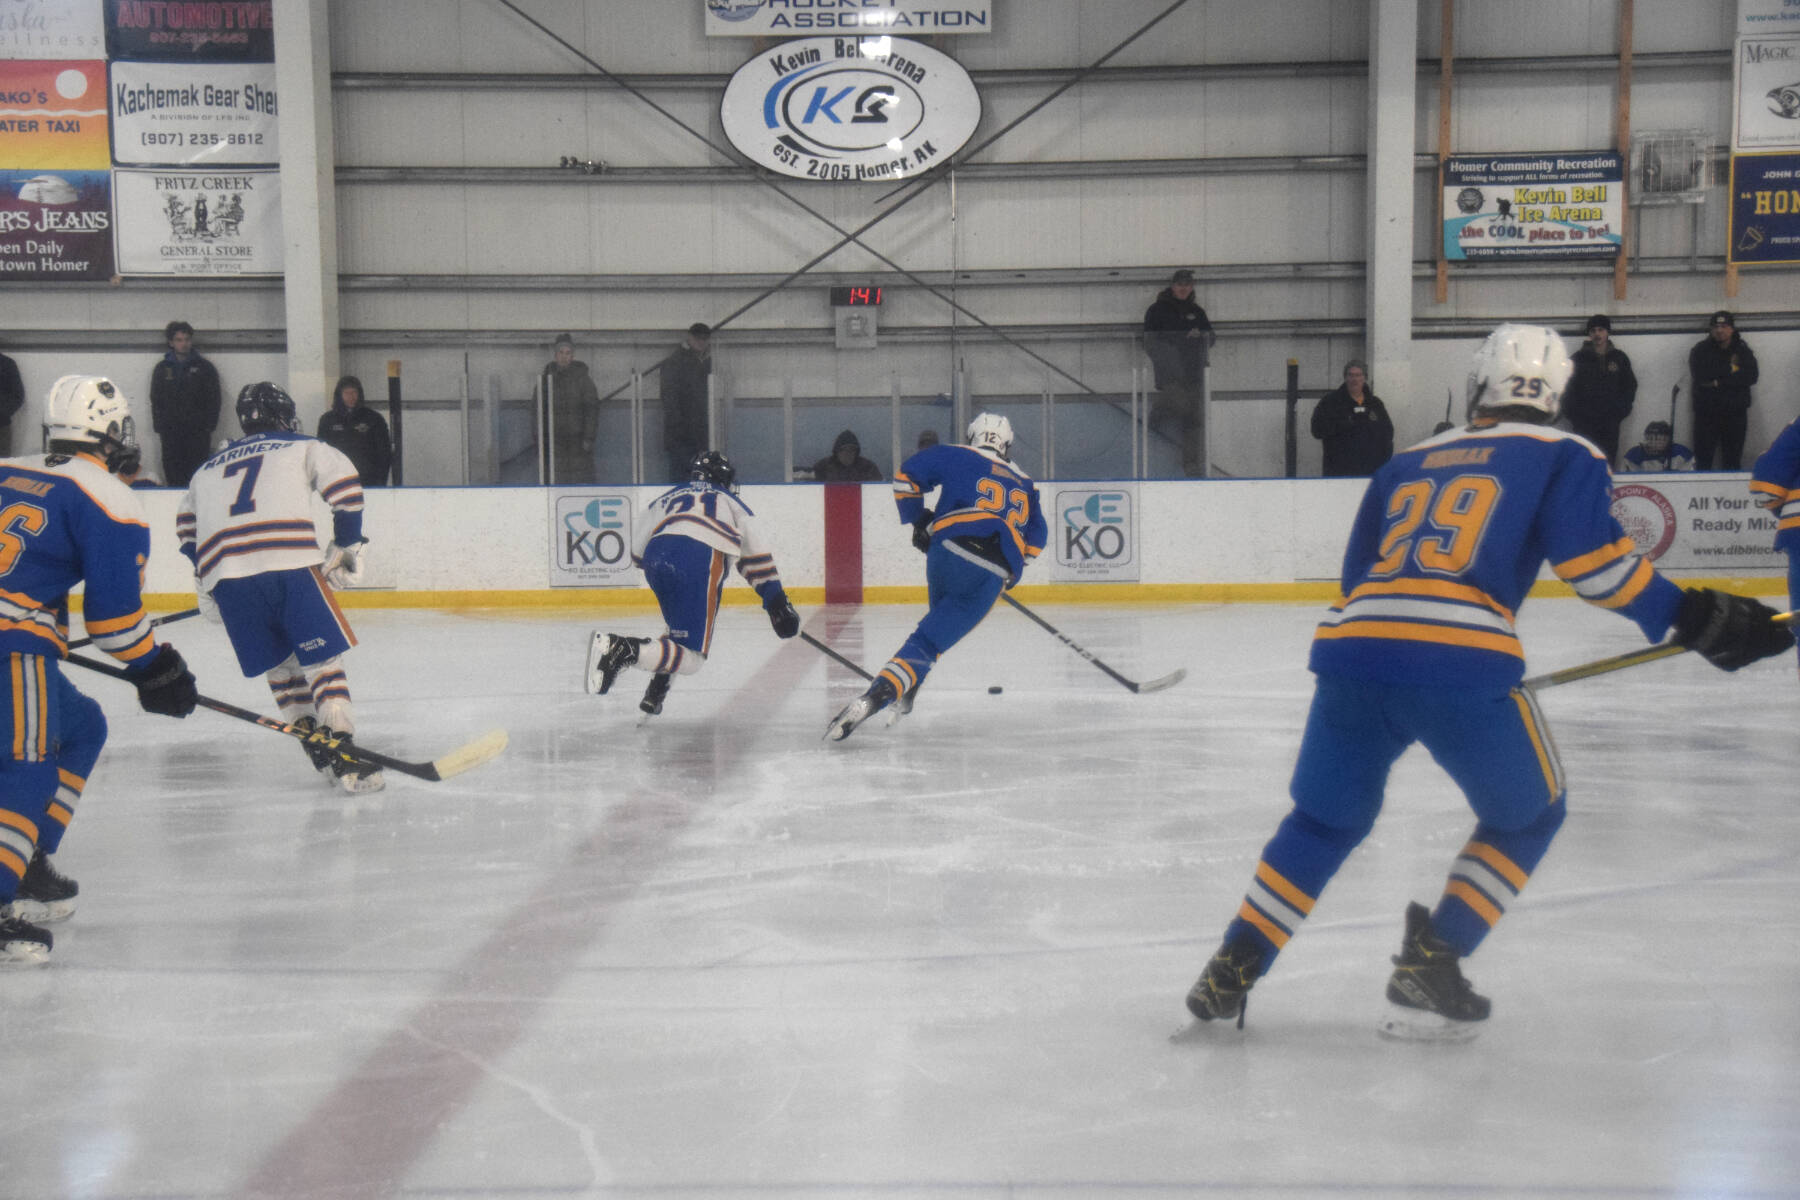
x=995, y=690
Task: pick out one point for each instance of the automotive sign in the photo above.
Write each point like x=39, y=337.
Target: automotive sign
x=850, y=110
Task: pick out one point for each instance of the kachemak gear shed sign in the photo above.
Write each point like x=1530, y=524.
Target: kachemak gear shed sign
x=850, y=109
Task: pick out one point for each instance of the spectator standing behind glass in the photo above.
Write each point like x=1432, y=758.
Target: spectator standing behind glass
x=845, y=463
x=1659, y=451
x=1602, y=390
x=12, y=398
x=1177, y=337
x=1723, y=369
x=685, y=400
x=574, y=414
x=184, y=405
x=357, y=430
x=1353, y=425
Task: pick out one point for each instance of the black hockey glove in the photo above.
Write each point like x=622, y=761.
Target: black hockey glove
x=922, y=531
x=1729, y=631
x=166, y=686
x=782, y=617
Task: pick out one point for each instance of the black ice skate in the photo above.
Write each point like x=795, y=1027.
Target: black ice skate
x=608, y=654
x=22, y=944
x=1218, y=995
x=655, y=694
x=1429, y=1000
x=353, y=775
x=317, y=753
x=878, y=697
x=45, y=895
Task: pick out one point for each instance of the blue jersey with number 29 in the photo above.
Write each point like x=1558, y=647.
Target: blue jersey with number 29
x=1451, y=535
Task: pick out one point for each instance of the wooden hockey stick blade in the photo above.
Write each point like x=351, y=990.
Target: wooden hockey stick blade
x=1618, y=662
x=473, y=754
x=165, y=619
x=816, y=644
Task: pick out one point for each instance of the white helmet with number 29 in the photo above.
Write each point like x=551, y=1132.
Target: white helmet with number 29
x=1524, y=366
x=991, y=432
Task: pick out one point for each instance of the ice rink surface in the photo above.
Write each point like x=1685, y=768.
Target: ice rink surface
x=713, y=956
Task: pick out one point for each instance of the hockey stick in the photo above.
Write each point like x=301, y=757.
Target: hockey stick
x=1154, y=685
x=166, y=619
x=1618, y=662
x=473, y=754
x=816, y=644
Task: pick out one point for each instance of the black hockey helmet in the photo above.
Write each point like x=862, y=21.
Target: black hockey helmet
x=263, y=406
x=711, y=466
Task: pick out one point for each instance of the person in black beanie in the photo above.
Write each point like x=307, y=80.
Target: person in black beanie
x=1602, y=390
x=1723, y=369
x=1178, y=339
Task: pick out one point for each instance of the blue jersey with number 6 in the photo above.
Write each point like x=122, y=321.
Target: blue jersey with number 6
x=978, y=495
x=1451, y=535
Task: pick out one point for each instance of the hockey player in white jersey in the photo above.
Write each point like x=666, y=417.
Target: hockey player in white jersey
x=686, y=541
x=247, y=525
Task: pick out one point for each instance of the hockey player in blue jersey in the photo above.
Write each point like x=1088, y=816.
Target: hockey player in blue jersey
x=987, y=527
x=67, y=519
x=686, y=541
x=1445, y=546
x=1775, y=484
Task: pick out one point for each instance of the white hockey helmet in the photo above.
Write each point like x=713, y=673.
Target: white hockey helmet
x=90, y=408
x=1523, y=366
x=991, y=432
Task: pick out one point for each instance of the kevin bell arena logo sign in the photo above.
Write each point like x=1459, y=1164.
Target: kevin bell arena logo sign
x=850, y=109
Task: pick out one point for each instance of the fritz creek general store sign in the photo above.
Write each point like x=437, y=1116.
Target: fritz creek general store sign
x=850, y=110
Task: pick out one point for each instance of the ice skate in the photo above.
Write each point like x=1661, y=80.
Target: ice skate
x=608, y=654
x=878, y=697
x=1428, y=998
x=655, y=694
x=901, y=707
x=353, y=775
x=45, y=895
x=316, y=752
x=1218, y=995
x=22, y=944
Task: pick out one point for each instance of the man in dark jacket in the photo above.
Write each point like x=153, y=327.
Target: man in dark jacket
x=1353, y=425
x=574, y=414
x=184, y=405
x=1602, y=390
x=845, y=463
x=1723, y=369
x=685, y=399
x=12, y=398
x=359, y=431
x=1177, y=336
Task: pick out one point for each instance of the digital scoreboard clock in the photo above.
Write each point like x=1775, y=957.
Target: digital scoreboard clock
x=855, y=297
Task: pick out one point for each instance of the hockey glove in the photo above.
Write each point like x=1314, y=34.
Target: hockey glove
x=922, y=531
x=782, y=617
x=343, y=564
x=166, y=686
x=1729, y=631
